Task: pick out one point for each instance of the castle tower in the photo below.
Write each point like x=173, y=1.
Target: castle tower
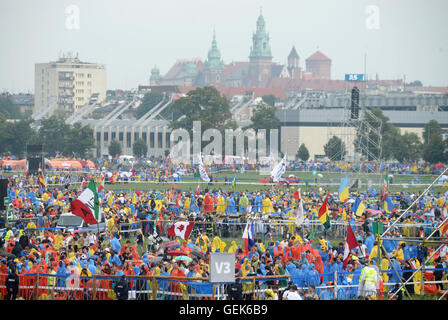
x=214, y=66
x=293, y=64
x=319, y=65
x=260, y=58
x=154, y=80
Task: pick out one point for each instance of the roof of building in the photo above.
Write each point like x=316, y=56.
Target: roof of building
x=318, y=56
x=293, y=53
x=179, y=69
x=230, y=92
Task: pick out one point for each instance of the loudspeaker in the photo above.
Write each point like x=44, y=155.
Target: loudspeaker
x=354, y=106
x=3, y=192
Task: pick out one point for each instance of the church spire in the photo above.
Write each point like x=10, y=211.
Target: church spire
x=214, y=60
x=260, y=40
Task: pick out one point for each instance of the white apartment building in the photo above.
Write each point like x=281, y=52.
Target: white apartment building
x=69, y=83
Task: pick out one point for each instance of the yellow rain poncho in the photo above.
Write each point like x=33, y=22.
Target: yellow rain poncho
x=233, y=247
x=217, y=243
x=221, y=205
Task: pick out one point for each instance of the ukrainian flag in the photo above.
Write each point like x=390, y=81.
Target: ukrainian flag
x=359, y=207
x=343, y=190
x=388, y=205
x=234, y=183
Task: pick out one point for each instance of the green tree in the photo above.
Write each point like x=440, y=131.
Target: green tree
x=264, y=117
x=303, y=153
x=20, y=133
x=9, y=109
x=431, y=128
x=140, y=148
x=408, y=147
x=150, y=100
x=206, y=105
x=269, y=99
x=335, y=149
x=114, y=148
x=79, y=140
x=53, y=133
x=434, y=150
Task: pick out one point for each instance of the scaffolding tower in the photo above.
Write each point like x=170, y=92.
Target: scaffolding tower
x=359, y=133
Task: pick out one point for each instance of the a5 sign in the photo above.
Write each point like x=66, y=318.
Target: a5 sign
x=355, y=77
x=222, y=267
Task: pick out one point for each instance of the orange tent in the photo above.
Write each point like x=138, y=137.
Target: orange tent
x=15, y=164
x=63, y=164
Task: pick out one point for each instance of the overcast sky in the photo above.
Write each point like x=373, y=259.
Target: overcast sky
x=398, y=37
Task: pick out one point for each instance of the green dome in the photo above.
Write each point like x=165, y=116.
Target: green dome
x=260, y=41
x=214, y=61
x=155, y=73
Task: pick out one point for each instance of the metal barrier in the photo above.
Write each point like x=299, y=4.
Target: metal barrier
x=99, y=287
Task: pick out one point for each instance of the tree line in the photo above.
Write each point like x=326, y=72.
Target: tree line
x=57, y=137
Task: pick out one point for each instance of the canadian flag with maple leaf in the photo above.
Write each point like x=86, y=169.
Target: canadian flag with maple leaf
x=181, y=229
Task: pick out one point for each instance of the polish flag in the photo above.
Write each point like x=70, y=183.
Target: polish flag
x=181, y=229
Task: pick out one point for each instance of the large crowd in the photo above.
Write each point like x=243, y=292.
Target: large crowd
x=135, y=241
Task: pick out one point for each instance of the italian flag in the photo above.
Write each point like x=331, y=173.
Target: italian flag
x=324, y=216
x=86, y=205
x=181, y=229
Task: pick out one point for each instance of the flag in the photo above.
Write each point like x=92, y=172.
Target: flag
x=111, y=200
x=323, y=215
x=386, y=183
x=300, y=216
x=27, y=169
x=101, y=184
x=41, y=180
x=388, y=204
x=202, y=171
x=355, y=185
x=114, y=177
x=297, y=194
x=181, y=229
x=343, y=190
x=443, y=227
x=358, y=207
x=279, y=170
x=83, y=184
x=86, y=205
x=248, y=237
x=234, y=183
x=350, y=244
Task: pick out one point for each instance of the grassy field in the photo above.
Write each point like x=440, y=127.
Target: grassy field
x=249, y=181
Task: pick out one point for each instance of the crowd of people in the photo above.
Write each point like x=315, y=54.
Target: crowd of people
x=135, y=242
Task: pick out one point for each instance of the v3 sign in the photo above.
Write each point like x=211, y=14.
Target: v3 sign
x=222, y=267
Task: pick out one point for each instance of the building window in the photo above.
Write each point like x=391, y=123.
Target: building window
x=151, y=139
x=89, y=75
x=168, y=141
x=159, y=139
x=89, y=83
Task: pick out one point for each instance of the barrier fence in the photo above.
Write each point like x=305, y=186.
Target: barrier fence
x=43, y=286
